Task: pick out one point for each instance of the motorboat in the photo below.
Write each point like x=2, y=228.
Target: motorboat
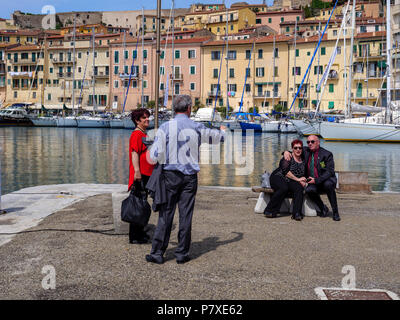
x=15, y=116
x=209, y=117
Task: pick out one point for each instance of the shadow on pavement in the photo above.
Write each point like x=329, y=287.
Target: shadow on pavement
x=206, y=245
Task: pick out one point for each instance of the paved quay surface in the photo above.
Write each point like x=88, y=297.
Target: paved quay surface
x=236, y=253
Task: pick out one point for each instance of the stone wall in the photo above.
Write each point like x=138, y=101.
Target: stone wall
x=34, y=21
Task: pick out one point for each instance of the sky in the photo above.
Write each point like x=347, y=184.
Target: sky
x=8, y=7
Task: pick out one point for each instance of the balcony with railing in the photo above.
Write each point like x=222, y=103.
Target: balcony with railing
x=333, y=75
x=177, y=77
x=100, y=74
x=267, y=95
x=372, y=54
x=63, y=61
x=125, y=76
x=64, y=74
x=222, y=18
x=23, y=61
x=21, y=74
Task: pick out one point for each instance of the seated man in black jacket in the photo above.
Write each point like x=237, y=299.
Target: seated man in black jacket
x=320, y=170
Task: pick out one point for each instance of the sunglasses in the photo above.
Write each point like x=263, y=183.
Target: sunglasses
x=297, y=148
x=311, y=141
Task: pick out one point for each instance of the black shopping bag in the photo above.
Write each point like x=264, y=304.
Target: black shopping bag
x=136, y=209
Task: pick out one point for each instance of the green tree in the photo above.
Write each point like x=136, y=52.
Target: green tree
x=197, y=105
x=151, y=104
x=251, y=110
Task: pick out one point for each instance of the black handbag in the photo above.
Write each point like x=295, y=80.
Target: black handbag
x=136, y=209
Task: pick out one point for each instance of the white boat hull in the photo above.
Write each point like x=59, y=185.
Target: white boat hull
x=307, y=128
x=93, y=123
x=270, y=126
x=232, y=124
x=116, y=124
x=287, y=127
x=332, y=131
x=66, y=122
x=44, y=122
x=128, y=123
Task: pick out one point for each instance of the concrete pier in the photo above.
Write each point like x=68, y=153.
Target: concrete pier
x=236, y=254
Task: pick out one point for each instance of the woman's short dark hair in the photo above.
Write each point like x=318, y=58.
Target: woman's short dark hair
x=297, y=141
x=138, y=113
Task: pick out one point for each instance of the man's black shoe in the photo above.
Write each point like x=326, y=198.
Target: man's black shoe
x=336, y=217
x=183, y=260
x=324, y=212
x=139, y=241
x=269, y=214
x=150, y=258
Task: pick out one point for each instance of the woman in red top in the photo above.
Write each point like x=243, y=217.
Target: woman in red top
x=139, y=168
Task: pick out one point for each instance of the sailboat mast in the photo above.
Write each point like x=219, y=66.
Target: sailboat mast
x=388, y=62
x=367, y=69
x=319, y=53
x=344, y=61
x=94, y=78
x=350, y=75
x=157, y=73
x=173, y=56
x=227, y=81
x=142, y=97
x=73, y=70
x=295, y=71
x=273, y=76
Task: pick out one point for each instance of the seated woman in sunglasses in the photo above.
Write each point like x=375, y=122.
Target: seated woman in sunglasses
x=289, y=176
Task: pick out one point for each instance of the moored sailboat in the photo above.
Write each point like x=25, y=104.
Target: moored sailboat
x=367, y=131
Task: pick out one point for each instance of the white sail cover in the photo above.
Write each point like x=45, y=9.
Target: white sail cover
x=355, y=107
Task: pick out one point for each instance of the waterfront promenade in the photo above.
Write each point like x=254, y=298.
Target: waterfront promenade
x=236, y=253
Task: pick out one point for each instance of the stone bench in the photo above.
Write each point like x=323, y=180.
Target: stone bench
x=347, y=182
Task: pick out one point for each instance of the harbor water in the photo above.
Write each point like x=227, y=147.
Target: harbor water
x=32, y=156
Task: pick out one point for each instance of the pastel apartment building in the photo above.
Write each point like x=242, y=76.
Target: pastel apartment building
x=273, y=19
x=265, y=65
x=180, y=71
x=215, y=21
x=89, y=85
x=182, y=65
x=131, y=65
x=25, y=74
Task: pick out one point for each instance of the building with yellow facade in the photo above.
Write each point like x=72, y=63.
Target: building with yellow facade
x=257, y=70
x=25, y=76
x=215, y=21
x=23, y=37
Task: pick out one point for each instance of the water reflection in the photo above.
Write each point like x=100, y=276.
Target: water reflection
x=36, y=156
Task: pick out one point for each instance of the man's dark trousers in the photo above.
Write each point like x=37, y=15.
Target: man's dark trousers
x=328, y=186
x=181, y=190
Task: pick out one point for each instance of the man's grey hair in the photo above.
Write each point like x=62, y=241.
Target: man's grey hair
x=182, y=103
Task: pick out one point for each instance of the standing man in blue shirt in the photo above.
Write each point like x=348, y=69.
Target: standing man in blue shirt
x=176, y=147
